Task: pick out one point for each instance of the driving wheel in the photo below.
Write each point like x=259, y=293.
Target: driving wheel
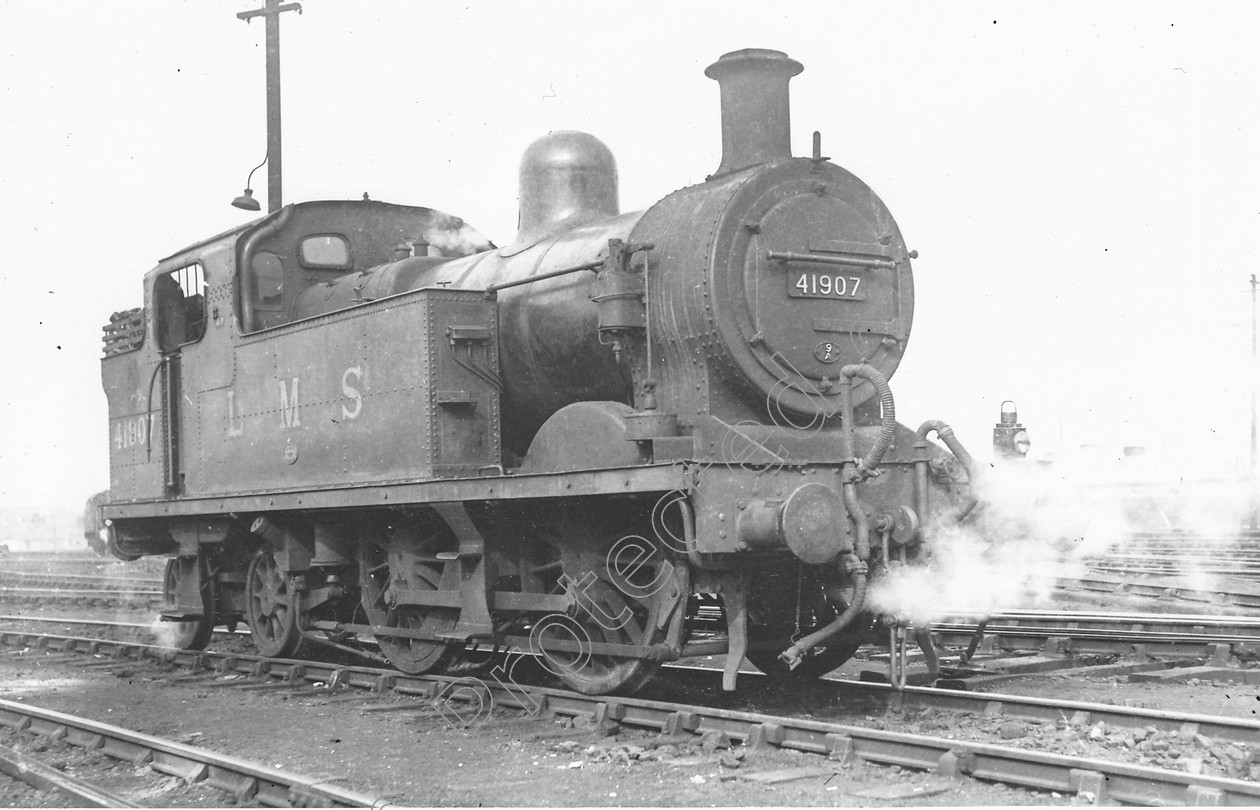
x=570, y=646
x=620, y=612
x=402, y=559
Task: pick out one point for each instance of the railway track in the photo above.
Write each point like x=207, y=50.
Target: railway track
x=1014, y=644
x=241, y=780
x=1218, y=592
x=1150, y=647
x=1176, y=564
x=469, y=700
x=1125, y=625
x=106, y=582
x=1226, y=554
x=45, y=562
x=1184, y=636
x=95, y=597
x=695, y=678
x=95, y=590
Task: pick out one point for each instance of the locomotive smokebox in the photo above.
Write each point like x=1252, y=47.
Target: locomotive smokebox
x=756, y=125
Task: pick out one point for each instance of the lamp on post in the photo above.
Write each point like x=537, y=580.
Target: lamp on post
x=271, y=11
x=246, y=201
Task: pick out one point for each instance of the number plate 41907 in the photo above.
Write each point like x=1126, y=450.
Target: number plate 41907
x=819, y=284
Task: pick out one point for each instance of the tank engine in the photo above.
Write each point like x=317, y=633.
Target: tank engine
x=621, y=439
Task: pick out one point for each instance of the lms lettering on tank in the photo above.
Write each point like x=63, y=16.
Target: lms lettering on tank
x=289, y=405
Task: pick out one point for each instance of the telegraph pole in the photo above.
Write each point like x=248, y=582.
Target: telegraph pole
x=272, y=9
x=1255, y=495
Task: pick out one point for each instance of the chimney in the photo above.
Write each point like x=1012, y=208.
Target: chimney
x=755, y=110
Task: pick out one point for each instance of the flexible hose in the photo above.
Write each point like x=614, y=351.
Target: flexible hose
x=887, y=411
x=946, y=434
x=793, y=655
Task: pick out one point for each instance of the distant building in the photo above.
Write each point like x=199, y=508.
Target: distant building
x=37, y=528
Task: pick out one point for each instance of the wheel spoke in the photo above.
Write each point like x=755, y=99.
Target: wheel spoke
x=272, y=621
x=603, y=673
x=397, y=561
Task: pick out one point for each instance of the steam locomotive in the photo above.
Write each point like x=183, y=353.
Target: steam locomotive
x=619, y=440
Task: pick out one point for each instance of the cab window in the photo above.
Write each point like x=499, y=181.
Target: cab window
x=275, y=278
x=179, y=306
x=325, y=252
x=268, y=281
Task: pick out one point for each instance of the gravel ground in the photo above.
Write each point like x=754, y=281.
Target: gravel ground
x=19, y=794
x=417, y=759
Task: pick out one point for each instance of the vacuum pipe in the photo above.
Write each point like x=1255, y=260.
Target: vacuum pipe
x=946, y=434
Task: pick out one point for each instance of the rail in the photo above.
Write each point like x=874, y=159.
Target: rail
x=244, y=780
x=1136, y=784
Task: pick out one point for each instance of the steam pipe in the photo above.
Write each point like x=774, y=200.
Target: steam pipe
x=946, y=434
x=921, y=481
x=851, y=468
x=689, y=532
x=494, y=288
x=862, y=543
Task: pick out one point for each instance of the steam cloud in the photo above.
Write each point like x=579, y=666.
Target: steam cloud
x=454, y=236
x=1037, y=522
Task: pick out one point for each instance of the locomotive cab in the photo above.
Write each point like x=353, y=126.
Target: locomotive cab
x=301, y=261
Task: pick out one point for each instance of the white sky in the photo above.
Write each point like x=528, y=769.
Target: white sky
x=1080, y=180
